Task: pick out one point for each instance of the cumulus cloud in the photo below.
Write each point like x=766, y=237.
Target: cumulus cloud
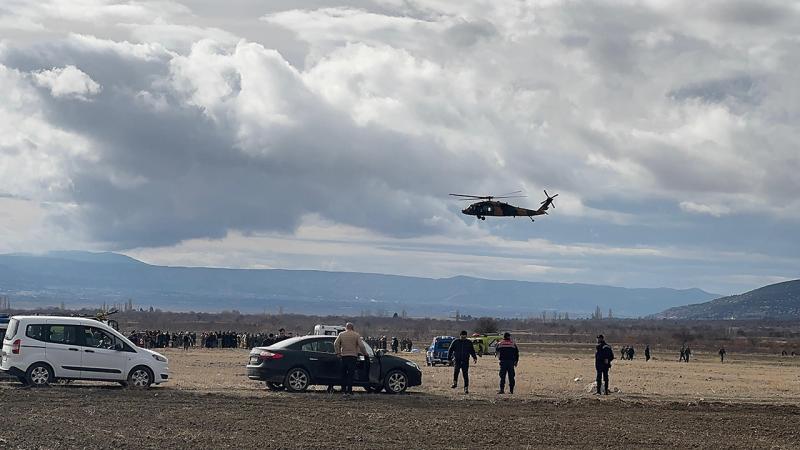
x=67, y=82
x=636, y=114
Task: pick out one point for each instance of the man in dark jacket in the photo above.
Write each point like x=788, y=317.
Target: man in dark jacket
x=508, y=354
x=602, y=362
x=459, y=352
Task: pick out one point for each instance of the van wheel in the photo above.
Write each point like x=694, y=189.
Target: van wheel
x=297, y=380
x=39, y=374
x=140, y=378
x=396, y=382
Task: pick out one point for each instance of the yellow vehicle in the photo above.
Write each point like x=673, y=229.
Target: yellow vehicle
x=485, y=344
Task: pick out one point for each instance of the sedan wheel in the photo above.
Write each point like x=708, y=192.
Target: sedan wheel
x=396, y=382
x=297, y=380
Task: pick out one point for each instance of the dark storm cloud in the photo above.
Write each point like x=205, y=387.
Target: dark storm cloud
x=162, y=175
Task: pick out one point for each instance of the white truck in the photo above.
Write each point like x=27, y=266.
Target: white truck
x=328, y=330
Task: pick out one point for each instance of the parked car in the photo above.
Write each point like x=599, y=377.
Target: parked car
x=437, y=351
x=299, y=362
x=39, y=350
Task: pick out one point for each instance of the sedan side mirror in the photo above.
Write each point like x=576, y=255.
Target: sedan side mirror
x=380, y=352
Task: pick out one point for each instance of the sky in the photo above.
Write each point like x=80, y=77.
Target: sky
x=328, y=135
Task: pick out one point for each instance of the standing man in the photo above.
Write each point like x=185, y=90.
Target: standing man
x=460, y=350
x=722, y=355
x=508, y=354
x=347, y=346
x=688, y=353
x=647, y=352
x=602, y=362
x=395, y=344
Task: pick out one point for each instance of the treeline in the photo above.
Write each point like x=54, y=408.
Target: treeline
x=767, y=336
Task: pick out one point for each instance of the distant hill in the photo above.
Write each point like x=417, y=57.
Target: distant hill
x=89, y=279
x=776, y=301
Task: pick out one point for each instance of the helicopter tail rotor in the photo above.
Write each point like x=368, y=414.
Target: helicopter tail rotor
x=549, y=200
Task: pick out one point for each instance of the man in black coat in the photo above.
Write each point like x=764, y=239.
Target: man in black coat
x=459, y=352
x=602, y=362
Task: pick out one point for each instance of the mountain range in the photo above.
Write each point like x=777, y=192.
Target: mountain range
x=91, y=279
x=776, y=301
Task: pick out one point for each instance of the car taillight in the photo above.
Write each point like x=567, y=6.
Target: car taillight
x=15, y=347
x=265, y=355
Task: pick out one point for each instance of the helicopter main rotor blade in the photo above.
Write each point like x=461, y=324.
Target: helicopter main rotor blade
x=470, y=196
x=510, y=193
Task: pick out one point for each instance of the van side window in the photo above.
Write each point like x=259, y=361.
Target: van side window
x=38, y=332
x=62, y=334
x=97, y=338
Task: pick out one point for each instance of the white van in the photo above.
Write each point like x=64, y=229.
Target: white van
x=38, y=350
x=328, y=330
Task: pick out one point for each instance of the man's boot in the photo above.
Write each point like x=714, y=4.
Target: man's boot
x=455, y=385
x=502, y=390
x=511, y=389
x=466, y=390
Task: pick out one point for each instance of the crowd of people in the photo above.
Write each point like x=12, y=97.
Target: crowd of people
x=206, y=339
x=395, y=344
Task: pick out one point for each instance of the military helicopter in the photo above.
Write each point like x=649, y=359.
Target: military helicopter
x=489, y=207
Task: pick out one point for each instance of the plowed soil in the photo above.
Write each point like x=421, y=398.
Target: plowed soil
x=751, y=402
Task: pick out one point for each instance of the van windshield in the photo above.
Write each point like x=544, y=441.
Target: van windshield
x=12, y=329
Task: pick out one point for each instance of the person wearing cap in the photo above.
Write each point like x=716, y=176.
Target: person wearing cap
x=459, y=352
x=602, y=362
x=508, y=354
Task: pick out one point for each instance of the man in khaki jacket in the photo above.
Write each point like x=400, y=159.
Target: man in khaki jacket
x=348, y=345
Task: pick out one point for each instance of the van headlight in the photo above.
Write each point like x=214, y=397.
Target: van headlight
x=160, y=358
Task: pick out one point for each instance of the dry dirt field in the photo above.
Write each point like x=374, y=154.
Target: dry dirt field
x=751, y=401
